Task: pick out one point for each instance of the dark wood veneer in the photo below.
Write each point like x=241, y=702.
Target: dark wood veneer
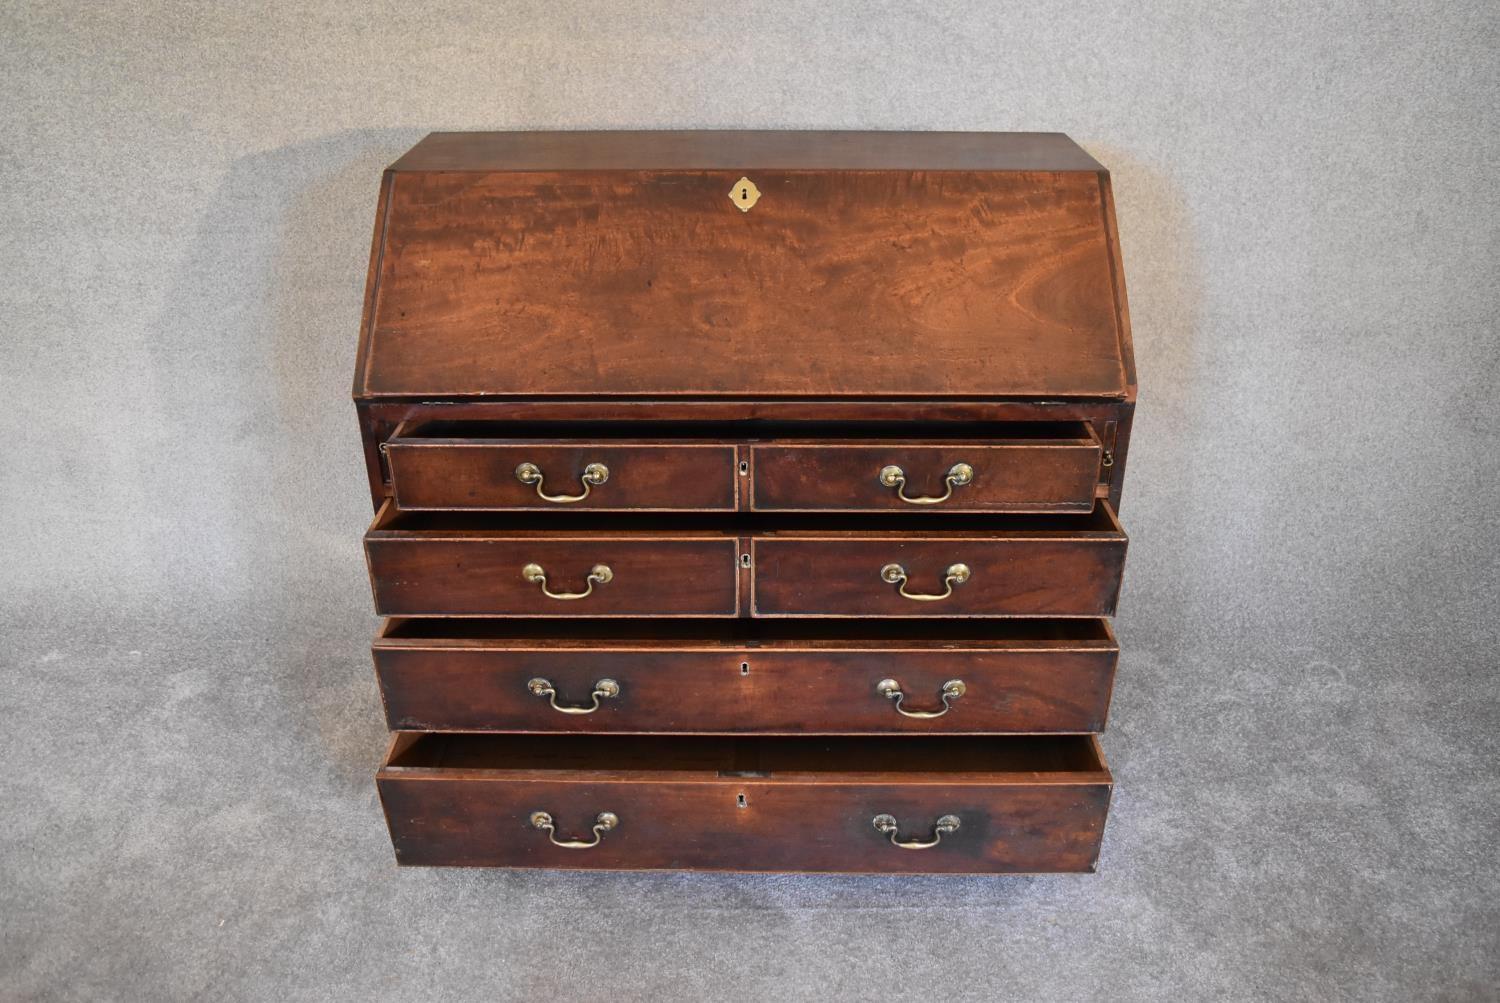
x=752, y=805
x=919, y=300
x=722, y=679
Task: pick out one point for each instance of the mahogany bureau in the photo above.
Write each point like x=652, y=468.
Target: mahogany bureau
x=746, y=500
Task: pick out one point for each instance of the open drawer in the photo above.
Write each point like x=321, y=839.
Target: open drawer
x=1020, y=466
x=992, y=467
x=472, y=564
x=744, y=676
x=698, y=565
x=750, y=804
x=519, y=467
x=966, y=565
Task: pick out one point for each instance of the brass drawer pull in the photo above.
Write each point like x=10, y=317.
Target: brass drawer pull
x=603, y=822
x=604, y=689
x=593, y=474
x=598, y=575
x=946, y=825
x=895, y=574
x=959, y=475
x=952, y=690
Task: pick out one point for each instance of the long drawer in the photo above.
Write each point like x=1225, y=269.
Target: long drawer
x=983, y=805
x=829, y=677
x=472, y=564
x=665, y=467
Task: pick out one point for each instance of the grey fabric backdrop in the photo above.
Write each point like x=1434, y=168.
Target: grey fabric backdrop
x=1303, y=731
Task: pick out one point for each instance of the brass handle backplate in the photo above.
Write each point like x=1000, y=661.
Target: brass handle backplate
x=951, y=691
x=895, y=574
x=593, y=475
x=603, y=822
x=959, y=475
x=604, y=689
x=944, y=826
x=598, y=575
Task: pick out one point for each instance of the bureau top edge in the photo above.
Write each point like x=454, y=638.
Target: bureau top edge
x=788, y=150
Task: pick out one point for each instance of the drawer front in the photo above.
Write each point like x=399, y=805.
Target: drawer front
x=920, y=804
x=1040, y=476
x=744, y=824
x=497, y=575
x=447, y=474
x=1017, y=688
x=891, y=575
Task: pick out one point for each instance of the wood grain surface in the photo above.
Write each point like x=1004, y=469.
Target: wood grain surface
x=481, y=474
x=1055, y=678
x=836, y=284
x=678, y=809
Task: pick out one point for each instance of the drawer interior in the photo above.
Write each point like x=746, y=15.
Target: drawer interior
x=905, y=759
x=752, y=430
x=1084, y=632
x=1101, y=520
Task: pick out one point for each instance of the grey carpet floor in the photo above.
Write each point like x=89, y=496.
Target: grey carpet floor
x=1304, y=727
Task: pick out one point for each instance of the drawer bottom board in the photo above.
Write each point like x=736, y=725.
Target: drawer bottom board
x=985, y=805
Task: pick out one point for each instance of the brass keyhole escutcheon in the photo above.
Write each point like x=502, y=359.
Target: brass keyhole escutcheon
x=744, y=194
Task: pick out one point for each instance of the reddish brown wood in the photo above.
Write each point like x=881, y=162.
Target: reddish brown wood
x=1021, y=571
x=573, y=298
x=1045, y=475
x=688, y=149
x=650, y=281
x=728, y=805
x=441, y=564
x=456, y=473
x=430, y=572
x=1037, y=677
x=379, y=421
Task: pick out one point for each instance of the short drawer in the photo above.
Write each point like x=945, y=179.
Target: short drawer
x=666, y=677
x=464, y=566
x=1043, y=467
x=444, y=466
x=954, y=804
x=1046, y=566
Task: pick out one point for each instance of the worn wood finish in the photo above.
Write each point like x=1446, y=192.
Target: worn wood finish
x=1045, y=475
x=443, y=572
x=1014, y=572
x=715, y=149
x=1055, y=677
x=453, y=473
x=916, y=300
x=445, y=564
x=652, y=283
x=682, y=804
x=380, y=422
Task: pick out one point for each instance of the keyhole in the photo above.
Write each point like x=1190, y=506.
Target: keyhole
x=744, y=194
x=740, y=800
x=744, y=668
x=744, y=560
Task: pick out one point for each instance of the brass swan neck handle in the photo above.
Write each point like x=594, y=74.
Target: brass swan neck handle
x=603, y=822
x=599, y=574
x=951, y=691
x=593, y=475
x=887, y=825
x=959, y=475
x=895, y=574
x=604, y=689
